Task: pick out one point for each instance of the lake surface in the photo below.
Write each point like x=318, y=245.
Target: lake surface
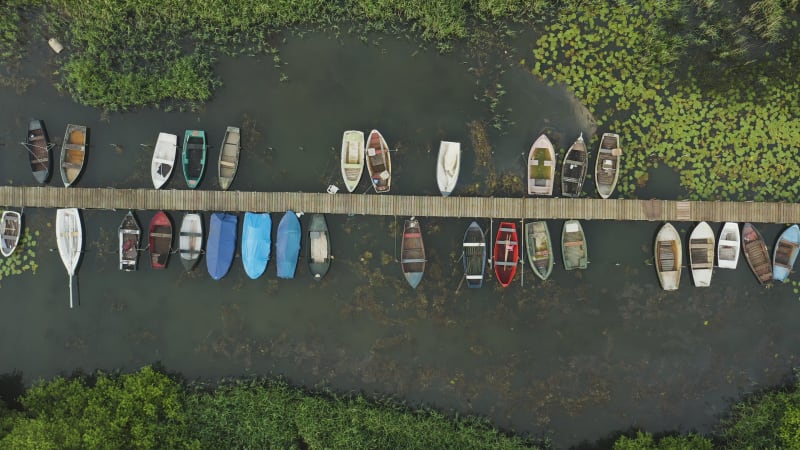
x=577, y=357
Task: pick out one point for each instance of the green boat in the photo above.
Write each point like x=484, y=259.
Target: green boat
x=194, y=156
x=573, y=246
x=539, y=248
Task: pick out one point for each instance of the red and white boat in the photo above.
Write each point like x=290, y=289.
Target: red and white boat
x=506, y=253
x=160, y=240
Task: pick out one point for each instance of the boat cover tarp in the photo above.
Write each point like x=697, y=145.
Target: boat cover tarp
x=287, y=248
x=256, y=243
x=221, y=244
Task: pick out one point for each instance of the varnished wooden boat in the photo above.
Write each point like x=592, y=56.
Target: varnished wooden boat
x=352, y=159
x=573, y=171
x=701, y=254
x=506, y=253
x=756, y=253
x=668, y=257
x=539, y=248
x=39, y=151
x=573, y=246
x=129, y=237
x=606, y=169
x=229, y=157
x=541, y=167
x=379, y=162
x=73, y=153
x=785, y=253
x=412, y=253
x=11, y=227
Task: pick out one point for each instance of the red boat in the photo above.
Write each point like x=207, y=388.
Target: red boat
x=506, y=253
x=160, y=240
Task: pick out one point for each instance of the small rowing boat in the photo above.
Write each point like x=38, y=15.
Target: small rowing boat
x=756, y=253
x=160, y=238
x=448, y=165
x=352, y=160
x=728, y=246
x=190, y=240
x=256, y=243
x=474, y=248
x=668, y=257
x=229, y=157
x=319, y=247
x=39, y=151
x=541, y=167
x=412, y=253
x=221, y=244
x=539, y=247
x=163, y=159
x=573, y=171
x=379, y=162
x=785, y=253
x=194, y=157
x=606, y=169
x=73, y=153
x=287, y=247
x=701, y=254
x=506, y=253
x=69, y=238
x=129, y=235
x=11, y=226
x=573, y=246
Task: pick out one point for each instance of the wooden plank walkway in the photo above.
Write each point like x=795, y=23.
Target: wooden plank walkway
x=399, y=205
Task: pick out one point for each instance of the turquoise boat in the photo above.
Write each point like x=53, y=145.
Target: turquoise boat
x=287, y=247
x=785, y=253
x=194, y=156
x=256, y=243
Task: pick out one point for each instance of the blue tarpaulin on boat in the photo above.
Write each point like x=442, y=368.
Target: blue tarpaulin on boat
x=256, y=243
x=287, y=248
x=221, y=244
x=784, y=256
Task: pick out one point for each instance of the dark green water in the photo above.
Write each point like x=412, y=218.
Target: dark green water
x=579, y=356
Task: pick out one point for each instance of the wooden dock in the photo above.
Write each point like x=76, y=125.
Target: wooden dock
x=399, y=205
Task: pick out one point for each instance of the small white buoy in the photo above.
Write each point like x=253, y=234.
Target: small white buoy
x=55, y=45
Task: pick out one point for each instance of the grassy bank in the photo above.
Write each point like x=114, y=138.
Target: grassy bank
x=149, y=409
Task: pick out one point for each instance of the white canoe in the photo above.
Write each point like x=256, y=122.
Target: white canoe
x=728, y=247
x=163, y=158
x=11, y=227
x=701, y=254
x=668, y=257
x=541, y=167
x=352, y=158
x=69, y=238
x=190, y=240
x=448, y=166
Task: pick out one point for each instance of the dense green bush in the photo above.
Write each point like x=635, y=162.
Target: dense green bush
x=765, y=420
x=646, y=441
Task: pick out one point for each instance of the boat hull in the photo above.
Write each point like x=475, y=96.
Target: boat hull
x=11, y=229
x=506, y=253
x=221, y=245
x=379, y=162
x=728, y=246
x=190, y=240
x=668, y=257
x=701, y=254
x=412, y=253
x=785, y=253
x=756, y=253
x=194, y=157
x=573, y=169
x=228, y=162
x=69, y=238
x=40, y=154
x=448, y=166
x=606, y=169
x=163, y=162
x=287, y=246
x=539, y=248
x=541, y=167
x=474, y=256
x=73, y=153
x=352, y=158
x=129, y=238
x=256, y=243
x=573, y=246
x=160, y=239
x=319, y=247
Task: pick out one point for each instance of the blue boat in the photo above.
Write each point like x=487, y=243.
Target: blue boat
x=287, y=248
x=256, y=243
x=221, y=244
x=785, y=253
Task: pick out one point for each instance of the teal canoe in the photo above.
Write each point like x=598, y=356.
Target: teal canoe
x=194, y=157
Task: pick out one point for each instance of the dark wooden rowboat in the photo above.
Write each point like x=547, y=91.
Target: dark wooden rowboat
x=39, y=151
x=756, y=253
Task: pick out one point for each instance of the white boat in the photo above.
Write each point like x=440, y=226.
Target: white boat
x=352, y=158
x=541, y=167
x=606, y=168
x=701, y=254
x=69, y=237
x=163, y=158
x=11, y=226
x=668, y=257
x=728, y=246
x=190, y=240
x=448, y=166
